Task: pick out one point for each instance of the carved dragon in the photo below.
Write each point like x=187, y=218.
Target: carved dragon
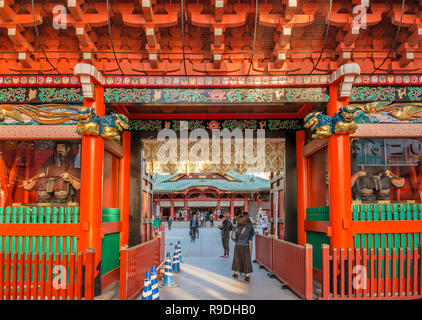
x=43, y=114
x=324, y=125
x=401, y=111
x=109, y=127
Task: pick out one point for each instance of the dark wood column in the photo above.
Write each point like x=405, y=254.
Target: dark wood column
x=290, y=193
x=135, y=201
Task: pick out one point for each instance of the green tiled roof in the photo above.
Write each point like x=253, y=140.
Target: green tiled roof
x=245, y=183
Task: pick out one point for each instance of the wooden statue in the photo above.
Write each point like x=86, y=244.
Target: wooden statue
x=57, y=181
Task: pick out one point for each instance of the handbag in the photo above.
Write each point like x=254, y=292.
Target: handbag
x=233, y=235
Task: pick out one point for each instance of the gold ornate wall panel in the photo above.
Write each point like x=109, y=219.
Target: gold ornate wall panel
x=161, y=158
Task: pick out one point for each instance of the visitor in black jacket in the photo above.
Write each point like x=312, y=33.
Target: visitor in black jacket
x=225, y=228
x=193, y=226
x=242, y=261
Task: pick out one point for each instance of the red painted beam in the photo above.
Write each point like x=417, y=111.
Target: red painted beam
x=111, y=227
x=212, y=116
x=317, y=226
x=40, y=230
x=368, y=227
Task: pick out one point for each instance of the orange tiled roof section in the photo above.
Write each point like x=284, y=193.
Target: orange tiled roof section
x=219, y=37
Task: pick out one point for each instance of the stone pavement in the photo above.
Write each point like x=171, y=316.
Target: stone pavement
x=206, y=276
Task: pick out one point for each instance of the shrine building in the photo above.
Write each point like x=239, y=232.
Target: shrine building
x=324, y=96
x=229, y=194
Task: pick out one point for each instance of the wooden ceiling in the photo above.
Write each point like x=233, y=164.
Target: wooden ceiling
x=218, y=37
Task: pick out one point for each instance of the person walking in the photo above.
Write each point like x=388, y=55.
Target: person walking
x=249, y=221
x=198, y=218
x=225, y=227
x=242, y=262
x=193, y=227
x=264, y=225
x=169, y=222
x=207, y=218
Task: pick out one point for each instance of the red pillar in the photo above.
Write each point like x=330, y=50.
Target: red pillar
x=186, y=217
x=148, y=226
x=91, y=189
x=245, y=205
x=340, y=189
x=124, y=188
x=172, y=209
x=302, y=187
x=144, y=216
x=231, y=209
x=214, y=213
x=279, y=225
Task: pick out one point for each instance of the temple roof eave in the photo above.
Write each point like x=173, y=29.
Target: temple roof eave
x=223, y=191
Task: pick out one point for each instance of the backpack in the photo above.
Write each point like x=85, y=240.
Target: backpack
x=231, y=227
x=233, y=235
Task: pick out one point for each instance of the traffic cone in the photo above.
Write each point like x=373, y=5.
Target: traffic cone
x=168, y=274
x=147, y=292
x=180, y=251
x=176, y=264
x=154, y=284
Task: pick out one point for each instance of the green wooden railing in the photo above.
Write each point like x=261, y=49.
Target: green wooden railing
x=316, y=239
x=110, y=244
x=38, y=215
x=390, y=212
x=55, y=245
x=372, y=212
x=156, y=223
x=391, y=241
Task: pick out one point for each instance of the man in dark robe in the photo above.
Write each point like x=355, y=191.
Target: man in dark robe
x=57, y=180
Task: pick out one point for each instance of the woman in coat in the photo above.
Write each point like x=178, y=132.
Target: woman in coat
x=242, y=261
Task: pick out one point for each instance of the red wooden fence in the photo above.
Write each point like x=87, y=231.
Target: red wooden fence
x=384, y=274
x=134, y=263
x=264, y=251
x=290, y=263
x=31, y=276
x=162, y=247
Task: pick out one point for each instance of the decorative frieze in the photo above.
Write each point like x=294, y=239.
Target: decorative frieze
x=41, y=95
x=272, y=125
x=71, y=95
x=206, y=81
x=215, y=96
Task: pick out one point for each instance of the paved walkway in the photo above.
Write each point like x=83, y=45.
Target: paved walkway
x=206, y=276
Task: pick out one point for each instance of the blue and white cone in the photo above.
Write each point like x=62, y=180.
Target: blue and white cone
x=154, y=284
x=176, y=263
x=180, y=251
x=147, y=292
x=168, y=274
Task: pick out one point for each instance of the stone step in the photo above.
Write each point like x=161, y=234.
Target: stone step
x=109, y=292
x=187, y=226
